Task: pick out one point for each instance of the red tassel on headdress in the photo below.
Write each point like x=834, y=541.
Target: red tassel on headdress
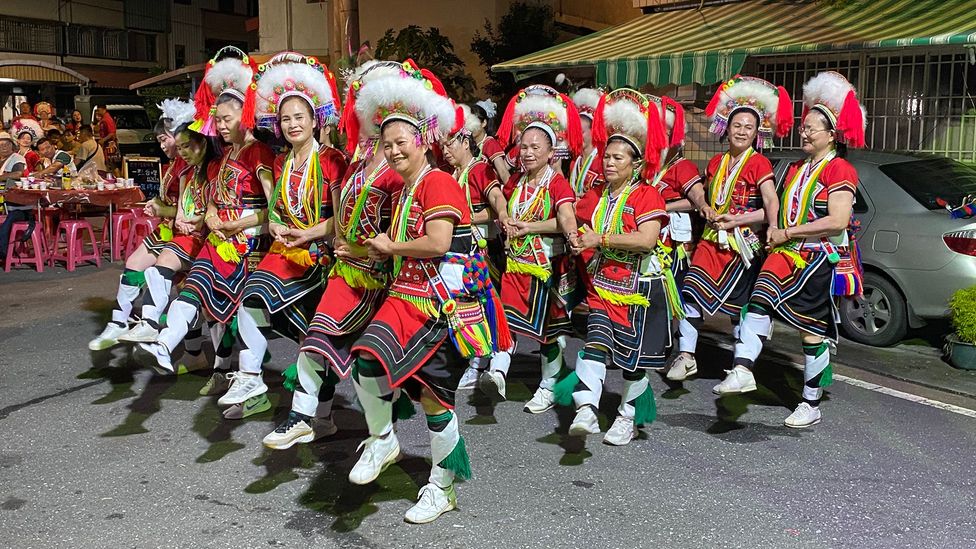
x=850, y=121
x=507, y=124
x=713, y=104
x=250, y=97
x=204, y=98
x=599, y=131
x=574, y=128
x=657, y=141
x=335, y=90
x=678, y=129
x=435, y=82
x=784, y=114
x=349, y=122
x=804, y=112
x=458, y=119
x=412, y=64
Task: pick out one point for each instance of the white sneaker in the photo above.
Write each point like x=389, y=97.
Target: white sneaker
x=323, y=427
x=738, y=380
x=433, y=501
x=250, y=407
x=378, y=454
x=159, y=358
x=492, y=383
x=242, y=387
x=621, y=432
x=585, y=423
x=542, y=401
x=108, y=338
x=469, y=380
x=216, y=385
x=804, y=416
x=682, y=368
x=294, y=430
x=142, y=332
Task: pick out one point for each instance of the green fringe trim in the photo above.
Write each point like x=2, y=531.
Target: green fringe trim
x=290, y=377
x=645, y=407
x=457, y=461
x=826, y=376
x=165, y=233
x=225, y=250
x=162, y=319
x=537, y=271
x=135, y=278
x=563, y=389
x=623, y=299
x=230, y=335
x=792, y=254
x=672, y=295
x=403, y=408
x=354, y=277
x=423, y=304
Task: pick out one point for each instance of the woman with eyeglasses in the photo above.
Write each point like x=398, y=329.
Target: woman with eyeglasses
x=813, y=258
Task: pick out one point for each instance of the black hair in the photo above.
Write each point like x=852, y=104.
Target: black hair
x=472, y=146
x=483, y=117
x=53, y=133
x=543, y=132
x=162, y=127
x=840, y=149
x=227, y=98
x=86, y=128
x=635, y=155
x=41, y=141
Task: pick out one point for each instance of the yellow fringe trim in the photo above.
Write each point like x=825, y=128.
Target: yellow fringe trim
x=793, y=255
x=354, y=277
x=225, y=250
x=623, y=299
x=298, y=256
x=165, y=233
x=423, y=304
x=537, y=271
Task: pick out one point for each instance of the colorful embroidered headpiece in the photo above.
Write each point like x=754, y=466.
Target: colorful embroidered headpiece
x=27, y=125
x=231, y=71
x=349, y=121
x=176, y=113
x=412, y=95
x=290, y=74
x=631, y=116
x=544, y=108
x=586, y=100
x=831, y=94
x=771, y=105
x=42, y=106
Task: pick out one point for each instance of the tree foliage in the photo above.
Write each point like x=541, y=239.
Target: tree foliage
x=431, y=50
x=526, y=28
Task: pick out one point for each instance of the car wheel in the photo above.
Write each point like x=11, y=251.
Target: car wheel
x=879, y=317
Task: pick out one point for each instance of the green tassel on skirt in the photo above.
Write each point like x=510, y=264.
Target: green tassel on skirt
x=563, y=389
x=403, y=408
x=645, y=407
x=290, y=377
x=457, y=461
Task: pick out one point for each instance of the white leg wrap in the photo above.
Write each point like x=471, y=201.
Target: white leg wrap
x=501, y=361
x=216, y=336
x=688, y=340
x=306, y=401
x=159, y=288
x=248, y=322
x=441, y=446
x=632, y=390
x=751, y=329
x=125, y=296
x=550, y=370
x=378, y=410
x=592, y=374
x=180, y=316
x=736, y=330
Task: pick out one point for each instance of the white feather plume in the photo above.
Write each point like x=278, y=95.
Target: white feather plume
x=178, y=112
x=229, y=72
x=471, y=122
x=372, y=69
x=315, y=83
x=535, y=103
x=830, y=89
x=489, y=107
x=587, y=97
x=409, y=93
x=765, y=94
x=624, y=117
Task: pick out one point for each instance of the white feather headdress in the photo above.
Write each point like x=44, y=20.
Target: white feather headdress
x=290, y=74
x=177, y=113
x=631, y=116
x=835, y=97
x=543, y=107
x=586, y=100
x=771, y=105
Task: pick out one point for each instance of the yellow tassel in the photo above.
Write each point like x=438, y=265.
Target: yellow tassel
x=793, y=255
x=298, y=256
x=225, y=250
x=355, y=278
x=165, y=233
x=623, y=299
x=537, y=271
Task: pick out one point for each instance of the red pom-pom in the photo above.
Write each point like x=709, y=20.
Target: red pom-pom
x=678, y=129
x=784, y=114
x=574, y=128
x=657, y=141
x=850, y=122
x=507, y=124
x=435, y=82
x=204, y=98
x=458, y=120
x=713, y=104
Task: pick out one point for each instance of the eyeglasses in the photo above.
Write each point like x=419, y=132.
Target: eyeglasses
x=807, y=131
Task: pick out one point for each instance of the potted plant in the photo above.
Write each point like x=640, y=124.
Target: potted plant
x=961, y=345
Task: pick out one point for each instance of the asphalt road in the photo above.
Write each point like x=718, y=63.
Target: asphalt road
x=99, y=453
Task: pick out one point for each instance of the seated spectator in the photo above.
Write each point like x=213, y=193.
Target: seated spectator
x=25, y=112
x=12, y=166
x=89, y=150
x=74, y=122
x=53, y=158
x=69, y=143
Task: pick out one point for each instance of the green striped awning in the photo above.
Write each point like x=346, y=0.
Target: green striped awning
x=711, y=44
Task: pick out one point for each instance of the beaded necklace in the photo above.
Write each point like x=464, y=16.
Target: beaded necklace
x=578, y=173
x=194, y=202
x=351, y=231
x=401, y=217
x=307, y=202
x=723, y=182
x=538, y=205
x=799, y=192
x=614, y=222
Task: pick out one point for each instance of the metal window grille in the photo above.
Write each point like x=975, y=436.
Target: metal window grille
x=18, y=35
x=150, y=15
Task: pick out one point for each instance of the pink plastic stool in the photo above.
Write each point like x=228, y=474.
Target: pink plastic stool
x=121, y=223
x=141, y=227
x=17, y=251
x=74, y=232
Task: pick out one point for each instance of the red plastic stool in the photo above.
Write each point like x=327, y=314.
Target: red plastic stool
x=74, y=232
x=17, y=251
x=141, y=227
x=121, y=223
